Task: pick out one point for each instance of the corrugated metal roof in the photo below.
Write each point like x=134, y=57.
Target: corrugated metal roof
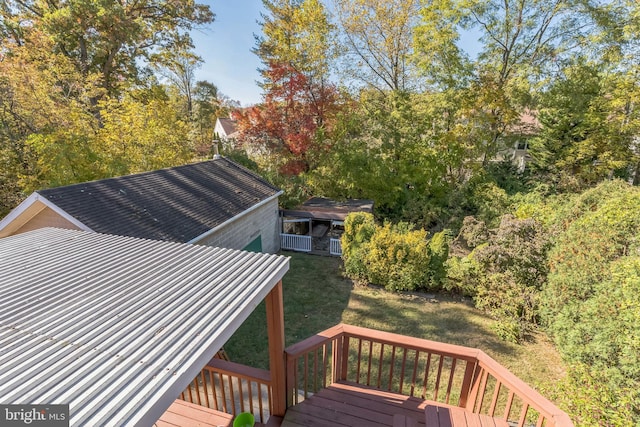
x=175, y=204
x=116, y=326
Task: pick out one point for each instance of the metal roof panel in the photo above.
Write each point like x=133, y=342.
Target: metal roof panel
x=116, y=326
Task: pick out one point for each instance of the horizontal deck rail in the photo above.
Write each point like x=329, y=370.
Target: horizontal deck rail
x=429, y=370
x=295, y=242
x=232, y=388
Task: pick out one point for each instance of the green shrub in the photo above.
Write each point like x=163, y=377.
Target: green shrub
x=604, y=331
x=505, y=274
x=490, y=201
x=592, y=398
x=398, y=258
x=395, y=256
x=590, y=302
x=600, y=232
x=358, y=229
x=439, y=250
x=474, y=232
x=463, y=275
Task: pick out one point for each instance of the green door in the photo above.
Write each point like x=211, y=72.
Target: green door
x=255, y=245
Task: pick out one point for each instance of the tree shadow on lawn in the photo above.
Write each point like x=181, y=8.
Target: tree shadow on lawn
x=317, y=297
x=450, y=320
x=442, y=319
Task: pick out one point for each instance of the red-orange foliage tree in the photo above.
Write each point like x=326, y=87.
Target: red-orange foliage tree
x=294, y=118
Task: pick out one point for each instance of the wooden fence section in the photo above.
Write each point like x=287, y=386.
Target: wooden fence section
x=232, y=388
x=429, y=370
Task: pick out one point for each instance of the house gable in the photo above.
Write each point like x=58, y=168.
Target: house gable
x=37, y=212
x=225, y=127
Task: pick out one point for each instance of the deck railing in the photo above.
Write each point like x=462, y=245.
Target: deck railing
x=335, y=247
x=295, y=242
x=429, y=370
x=232, y=388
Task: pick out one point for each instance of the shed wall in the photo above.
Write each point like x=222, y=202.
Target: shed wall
x=264, y=221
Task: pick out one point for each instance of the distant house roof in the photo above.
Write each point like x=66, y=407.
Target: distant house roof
x=229, y=126
x=177, y=204
x=528, y=124
x=323, y=208
x=117, y=327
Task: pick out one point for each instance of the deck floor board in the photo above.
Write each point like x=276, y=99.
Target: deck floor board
x=354, y=405
x=186, y=414
x=345, y=404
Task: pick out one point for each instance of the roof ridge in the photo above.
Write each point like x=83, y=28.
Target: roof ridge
x=136, y=174
x=248, y=171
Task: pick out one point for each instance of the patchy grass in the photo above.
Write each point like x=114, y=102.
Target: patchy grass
x=317, y=296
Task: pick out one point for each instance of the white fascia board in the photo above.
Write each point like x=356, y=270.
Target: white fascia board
x=230, y=220
x=18, y=210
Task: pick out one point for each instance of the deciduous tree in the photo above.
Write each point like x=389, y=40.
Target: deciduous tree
x=113, y=40
x=377, y=38
x=292, y=119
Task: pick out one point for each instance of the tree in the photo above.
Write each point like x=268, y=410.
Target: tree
x=179, y=68
x=109, y=40
x=209, y=104
x=377, y=39
x=587, y=129
x=297, y=33
x=521, y=40
x=297, y=36
x=299, y=100
x=382, y=150
x=292, y=119
x=70, y=71
x=43, y=110
x=436, y=52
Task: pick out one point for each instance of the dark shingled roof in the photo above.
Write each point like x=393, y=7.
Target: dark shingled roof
x=176, y=204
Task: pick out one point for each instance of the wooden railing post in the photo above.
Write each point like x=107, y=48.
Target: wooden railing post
x=275, y=331
x=465, y=390
x=291, y=380
x=344, y=359
x=336, y=354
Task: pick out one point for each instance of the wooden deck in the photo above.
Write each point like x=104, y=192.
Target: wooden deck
x=347, y=404
x=439, y=416
x=353, y=376
x=186, y=414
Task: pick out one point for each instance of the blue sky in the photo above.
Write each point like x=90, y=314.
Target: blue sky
x=225, y=46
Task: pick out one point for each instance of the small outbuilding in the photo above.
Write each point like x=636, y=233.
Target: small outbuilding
x=215, y=203
x=317, y=225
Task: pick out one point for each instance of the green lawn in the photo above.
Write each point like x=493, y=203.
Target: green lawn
x=317, y=296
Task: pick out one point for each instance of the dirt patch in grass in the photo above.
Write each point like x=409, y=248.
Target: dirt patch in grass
x=317, y=296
